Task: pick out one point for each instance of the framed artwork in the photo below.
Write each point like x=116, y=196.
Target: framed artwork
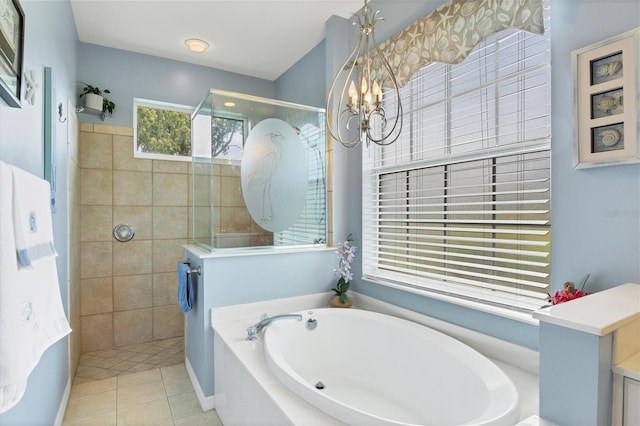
x=11, y=51
x=606, y=97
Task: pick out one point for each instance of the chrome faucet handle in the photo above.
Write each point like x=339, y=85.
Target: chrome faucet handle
x=252, y=332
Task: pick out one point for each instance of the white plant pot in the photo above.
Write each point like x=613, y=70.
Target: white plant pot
x=93, y=101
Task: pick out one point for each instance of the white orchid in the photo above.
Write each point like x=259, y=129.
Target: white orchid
x=346, y=253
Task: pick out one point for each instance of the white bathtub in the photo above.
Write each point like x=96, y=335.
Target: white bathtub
x=382, y=370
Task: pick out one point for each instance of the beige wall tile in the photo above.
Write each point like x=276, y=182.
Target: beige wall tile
x=75, y=338
x=132, y=258
x=114, y=130
x=203, y=225
x=165, y=288
x=95, y=223
x=234, y=219
x=95, y=187
x=132, y=326
x=167, y=254
x=202, y=195
x=132, y=292
x=123, y=158
x=95, y=259
x=170, y=189
x=86, y=127
x=168, y=321
x=227, y=170
x=231, y=192
x=95, y=150
x=170, y=222
x=96, y=296
x=162, y=166
x=137, y=216
x=132, y=188
x=97, y=332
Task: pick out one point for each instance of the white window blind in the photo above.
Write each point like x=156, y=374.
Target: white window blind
x=460, y=204
x=311, y=225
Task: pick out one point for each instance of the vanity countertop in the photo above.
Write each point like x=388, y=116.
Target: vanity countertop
x=599, y=313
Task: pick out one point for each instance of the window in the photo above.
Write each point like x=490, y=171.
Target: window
x=220, y=137
x=161, y=130
x=460, y=204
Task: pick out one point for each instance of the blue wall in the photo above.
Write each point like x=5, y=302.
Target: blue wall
x=50, y=40
x=595, y=212
x=131, y=75
x=303, y=82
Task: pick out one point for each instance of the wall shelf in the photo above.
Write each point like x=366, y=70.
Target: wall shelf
x=91, y=111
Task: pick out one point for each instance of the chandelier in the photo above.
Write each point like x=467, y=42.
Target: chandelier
x=361, y=114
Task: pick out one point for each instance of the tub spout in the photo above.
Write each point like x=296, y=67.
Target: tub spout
x=256, y=328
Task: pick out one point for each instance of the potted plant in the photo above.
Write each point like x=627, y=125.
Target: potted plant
x=346, y=253
x=94, y=99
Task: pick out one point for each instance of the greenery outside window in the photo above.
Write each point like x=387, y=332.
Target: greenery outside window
x=162, y=131
x=219, y=137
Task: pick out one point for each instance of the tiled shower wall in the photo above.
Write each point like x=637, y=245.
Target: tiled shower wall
x=73, y=171
x=128, y=290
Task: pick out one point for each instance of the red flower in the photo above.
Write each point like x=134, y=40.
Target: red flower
x=568, y=293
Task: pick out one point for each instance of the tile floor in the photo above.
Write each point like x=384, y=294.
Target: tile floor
x=144, y=384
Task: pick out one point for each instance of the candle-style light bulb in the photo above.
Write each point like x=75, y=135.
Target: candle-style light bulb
x=353, y=96
x=364, y=87
x=377, y=92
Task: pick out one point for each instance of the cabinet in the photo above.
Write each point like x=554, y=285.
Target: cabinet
x=626, y=391
x=631, y=402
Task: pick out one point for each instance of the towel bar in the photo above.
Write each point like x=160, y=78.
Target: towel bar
x=191, y=270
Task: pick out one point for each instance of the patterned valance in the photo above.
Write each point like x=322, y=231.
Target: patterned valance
x=450, y=33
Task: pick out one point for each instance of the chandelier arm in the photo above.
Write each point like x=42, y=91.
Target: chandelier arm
x=349, y=64
x=398, y=118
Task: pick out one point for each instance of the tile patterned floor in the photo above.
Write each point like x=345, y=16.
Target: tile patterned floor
x=144, y=384
x=129, y=359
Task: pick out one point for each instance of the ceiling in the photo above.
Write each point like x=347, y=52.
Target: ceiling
x=259, y=38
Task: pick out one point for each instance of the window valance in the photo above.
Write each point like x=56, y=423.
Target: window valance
x=450, y=33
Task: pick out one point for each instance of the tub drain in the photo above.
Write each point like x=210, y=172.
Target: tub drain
x=320, y=385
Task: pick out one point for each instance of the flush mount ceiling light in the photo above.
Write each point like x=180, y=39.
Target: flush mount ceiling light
x=229, y=104
x=196, y=45
x=360, y=114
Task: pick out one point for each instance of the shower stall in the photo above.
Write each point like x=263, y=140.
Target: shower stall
x=259, y=173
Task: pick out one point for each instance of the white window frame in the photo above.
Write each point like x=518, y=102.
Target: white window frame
x=157, y=105
x=374, y=168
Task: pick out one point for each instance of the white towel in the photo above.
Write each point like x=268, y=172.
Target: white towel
x=31, y=314
x=31, y=218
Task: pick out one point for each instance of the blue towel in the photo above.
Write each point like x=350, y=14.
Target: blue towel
x=185, y=288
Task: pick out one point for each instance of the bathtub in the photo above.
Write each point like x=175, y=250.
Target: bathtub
x=366, y=368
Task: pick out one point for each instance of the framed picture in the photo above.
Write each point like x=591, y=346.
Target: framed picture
x=606, y=97
x=11, y=51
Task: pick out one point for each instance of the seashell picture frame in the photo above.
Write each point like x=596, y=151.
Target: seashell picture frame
x=606, y=96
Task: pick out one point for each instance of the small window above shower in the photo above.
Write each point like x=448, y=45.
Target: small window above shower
x=162, y=131
x=259, y=173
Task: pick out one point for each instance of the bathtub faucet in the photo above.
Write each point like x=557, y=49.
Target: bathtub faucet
x=256, y=328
